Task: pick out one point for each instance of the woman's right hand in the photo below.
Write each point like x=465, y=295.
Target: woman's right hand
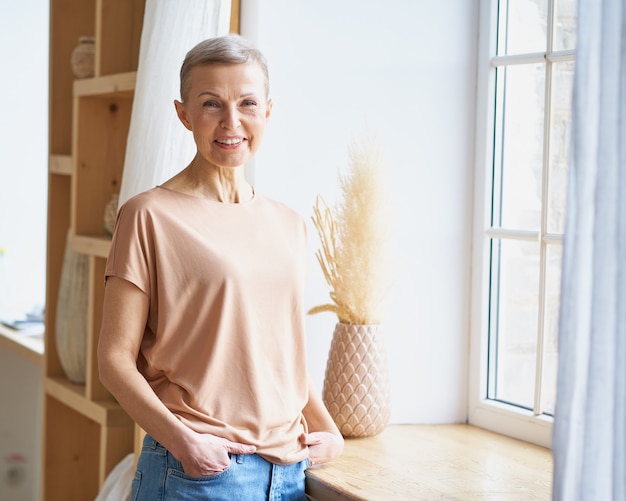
x=206, y=454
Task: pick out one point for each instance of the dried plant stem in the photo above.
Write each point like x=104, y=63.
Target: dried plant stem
x=354, y=239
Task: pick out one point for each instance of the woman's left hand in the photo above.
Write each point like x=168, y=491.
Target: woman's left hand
x=323, y=446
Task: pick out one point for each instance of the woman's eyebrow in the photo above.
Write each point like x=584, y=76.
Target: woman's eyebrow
x=214, y=94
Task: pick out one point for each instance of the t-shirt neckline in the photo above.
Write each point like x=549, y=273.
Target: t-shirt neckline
x=202, y=199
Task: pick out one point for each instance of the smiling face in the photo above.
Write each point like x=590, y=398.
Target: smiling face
x=227, y=110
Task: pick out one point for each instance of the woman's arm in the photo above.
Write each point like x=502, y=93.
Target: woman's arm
x=324, y=438
x=125, y=312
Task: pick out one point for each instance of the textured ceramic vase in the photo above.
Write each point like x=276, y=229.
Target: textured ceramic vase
x=356, y=385
x=71, y=320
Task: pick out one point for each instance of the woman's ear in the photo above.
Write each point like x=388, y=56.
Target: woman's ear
x=182, y=114
x=268, y=110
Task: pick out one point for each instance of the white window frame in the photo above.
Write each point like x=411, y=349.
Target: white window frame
x=490, y=414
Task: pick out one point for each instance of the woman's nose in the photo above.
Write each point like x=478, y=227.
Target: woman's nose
x=230, y=120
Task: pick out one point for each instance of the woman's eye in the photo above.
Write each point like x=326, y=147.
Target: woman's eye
x=249, y=102
x=210, y=104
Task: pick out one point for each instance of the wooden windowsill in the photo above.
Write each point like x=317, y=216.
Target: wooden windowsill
x=29, y=347
x=452, y=462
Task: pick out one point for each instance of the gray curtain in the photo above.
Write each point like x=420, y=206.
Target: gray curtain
x=589, y=437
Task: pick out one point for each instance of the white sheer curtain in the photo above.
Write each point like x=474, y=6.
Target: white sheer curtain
x=589, y=442
x=158, y=145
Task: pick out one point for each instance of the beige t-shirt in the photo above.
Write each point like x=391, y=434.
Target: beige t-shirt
x=224, y=345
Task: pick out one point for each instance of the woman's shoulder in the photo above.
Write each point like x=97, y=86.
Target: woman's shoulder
x=152, y=197
x=280, y=215
x=145, y=206
x=277, y=206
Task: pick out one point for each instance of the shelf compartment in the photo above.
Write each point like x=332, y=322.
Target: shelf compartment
x=103, y=121
x=64, y=37
x=118, y=35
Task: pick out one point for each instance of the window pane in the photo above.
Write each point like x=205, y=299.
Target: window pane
x=565, y=17
x=562, y=80
x=513, y=333
x=551, y=327
x=520, y=141
x=522, y=26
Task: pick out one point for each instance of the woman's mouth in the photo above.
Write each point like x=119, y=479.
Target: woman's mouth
x=230, y=141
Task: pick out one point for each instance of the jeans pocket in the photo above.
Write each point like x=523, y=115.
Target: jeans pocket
x=134, y=490
x=175, y=468
x=183, y=487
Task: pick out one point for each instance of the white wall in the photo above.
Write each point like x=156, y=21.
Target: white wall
x=408, y=70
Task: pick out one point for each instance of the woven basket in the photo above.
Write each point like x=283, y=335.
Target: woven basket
x=71, y=321
x=356, y=385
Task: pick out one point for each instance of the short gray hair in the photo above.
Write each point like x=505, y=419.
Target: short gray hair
x=227, y=49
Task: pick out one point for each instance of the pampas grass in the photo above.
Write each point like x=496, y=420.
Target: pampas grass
x=355, y=239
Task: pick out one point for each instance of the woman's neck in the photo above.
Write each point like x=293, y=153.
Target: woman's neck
x=222, y=184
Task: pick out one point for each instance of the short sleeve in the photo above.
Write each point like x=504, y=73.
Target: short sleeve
x=131, y=249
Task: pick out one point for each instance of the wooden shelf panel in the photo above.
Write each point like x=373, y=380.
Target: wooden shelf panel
x=72, y=449
x=60, y=164
x=92, y=245
x=104, y=412
x=115, y=444
x=106, y=86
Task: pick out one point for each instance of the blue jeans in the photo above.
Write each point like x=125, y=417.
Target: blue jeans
x=160, y=477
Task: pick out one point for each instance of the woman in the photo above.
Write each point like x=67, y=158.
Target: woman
x=202, y=339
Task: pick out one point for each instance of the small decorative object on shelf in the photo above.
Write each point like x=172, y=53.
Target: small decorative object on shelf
x=353, y=257
x=83, y=58
x=110, y=214
x=71, y=320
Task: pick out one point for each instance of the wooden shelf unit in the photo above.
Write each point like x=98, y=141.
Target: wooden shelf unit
x=86, y=433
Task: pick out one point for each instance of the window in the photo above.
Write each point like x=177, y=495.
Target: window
x=23, y=175
x=522, y=156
